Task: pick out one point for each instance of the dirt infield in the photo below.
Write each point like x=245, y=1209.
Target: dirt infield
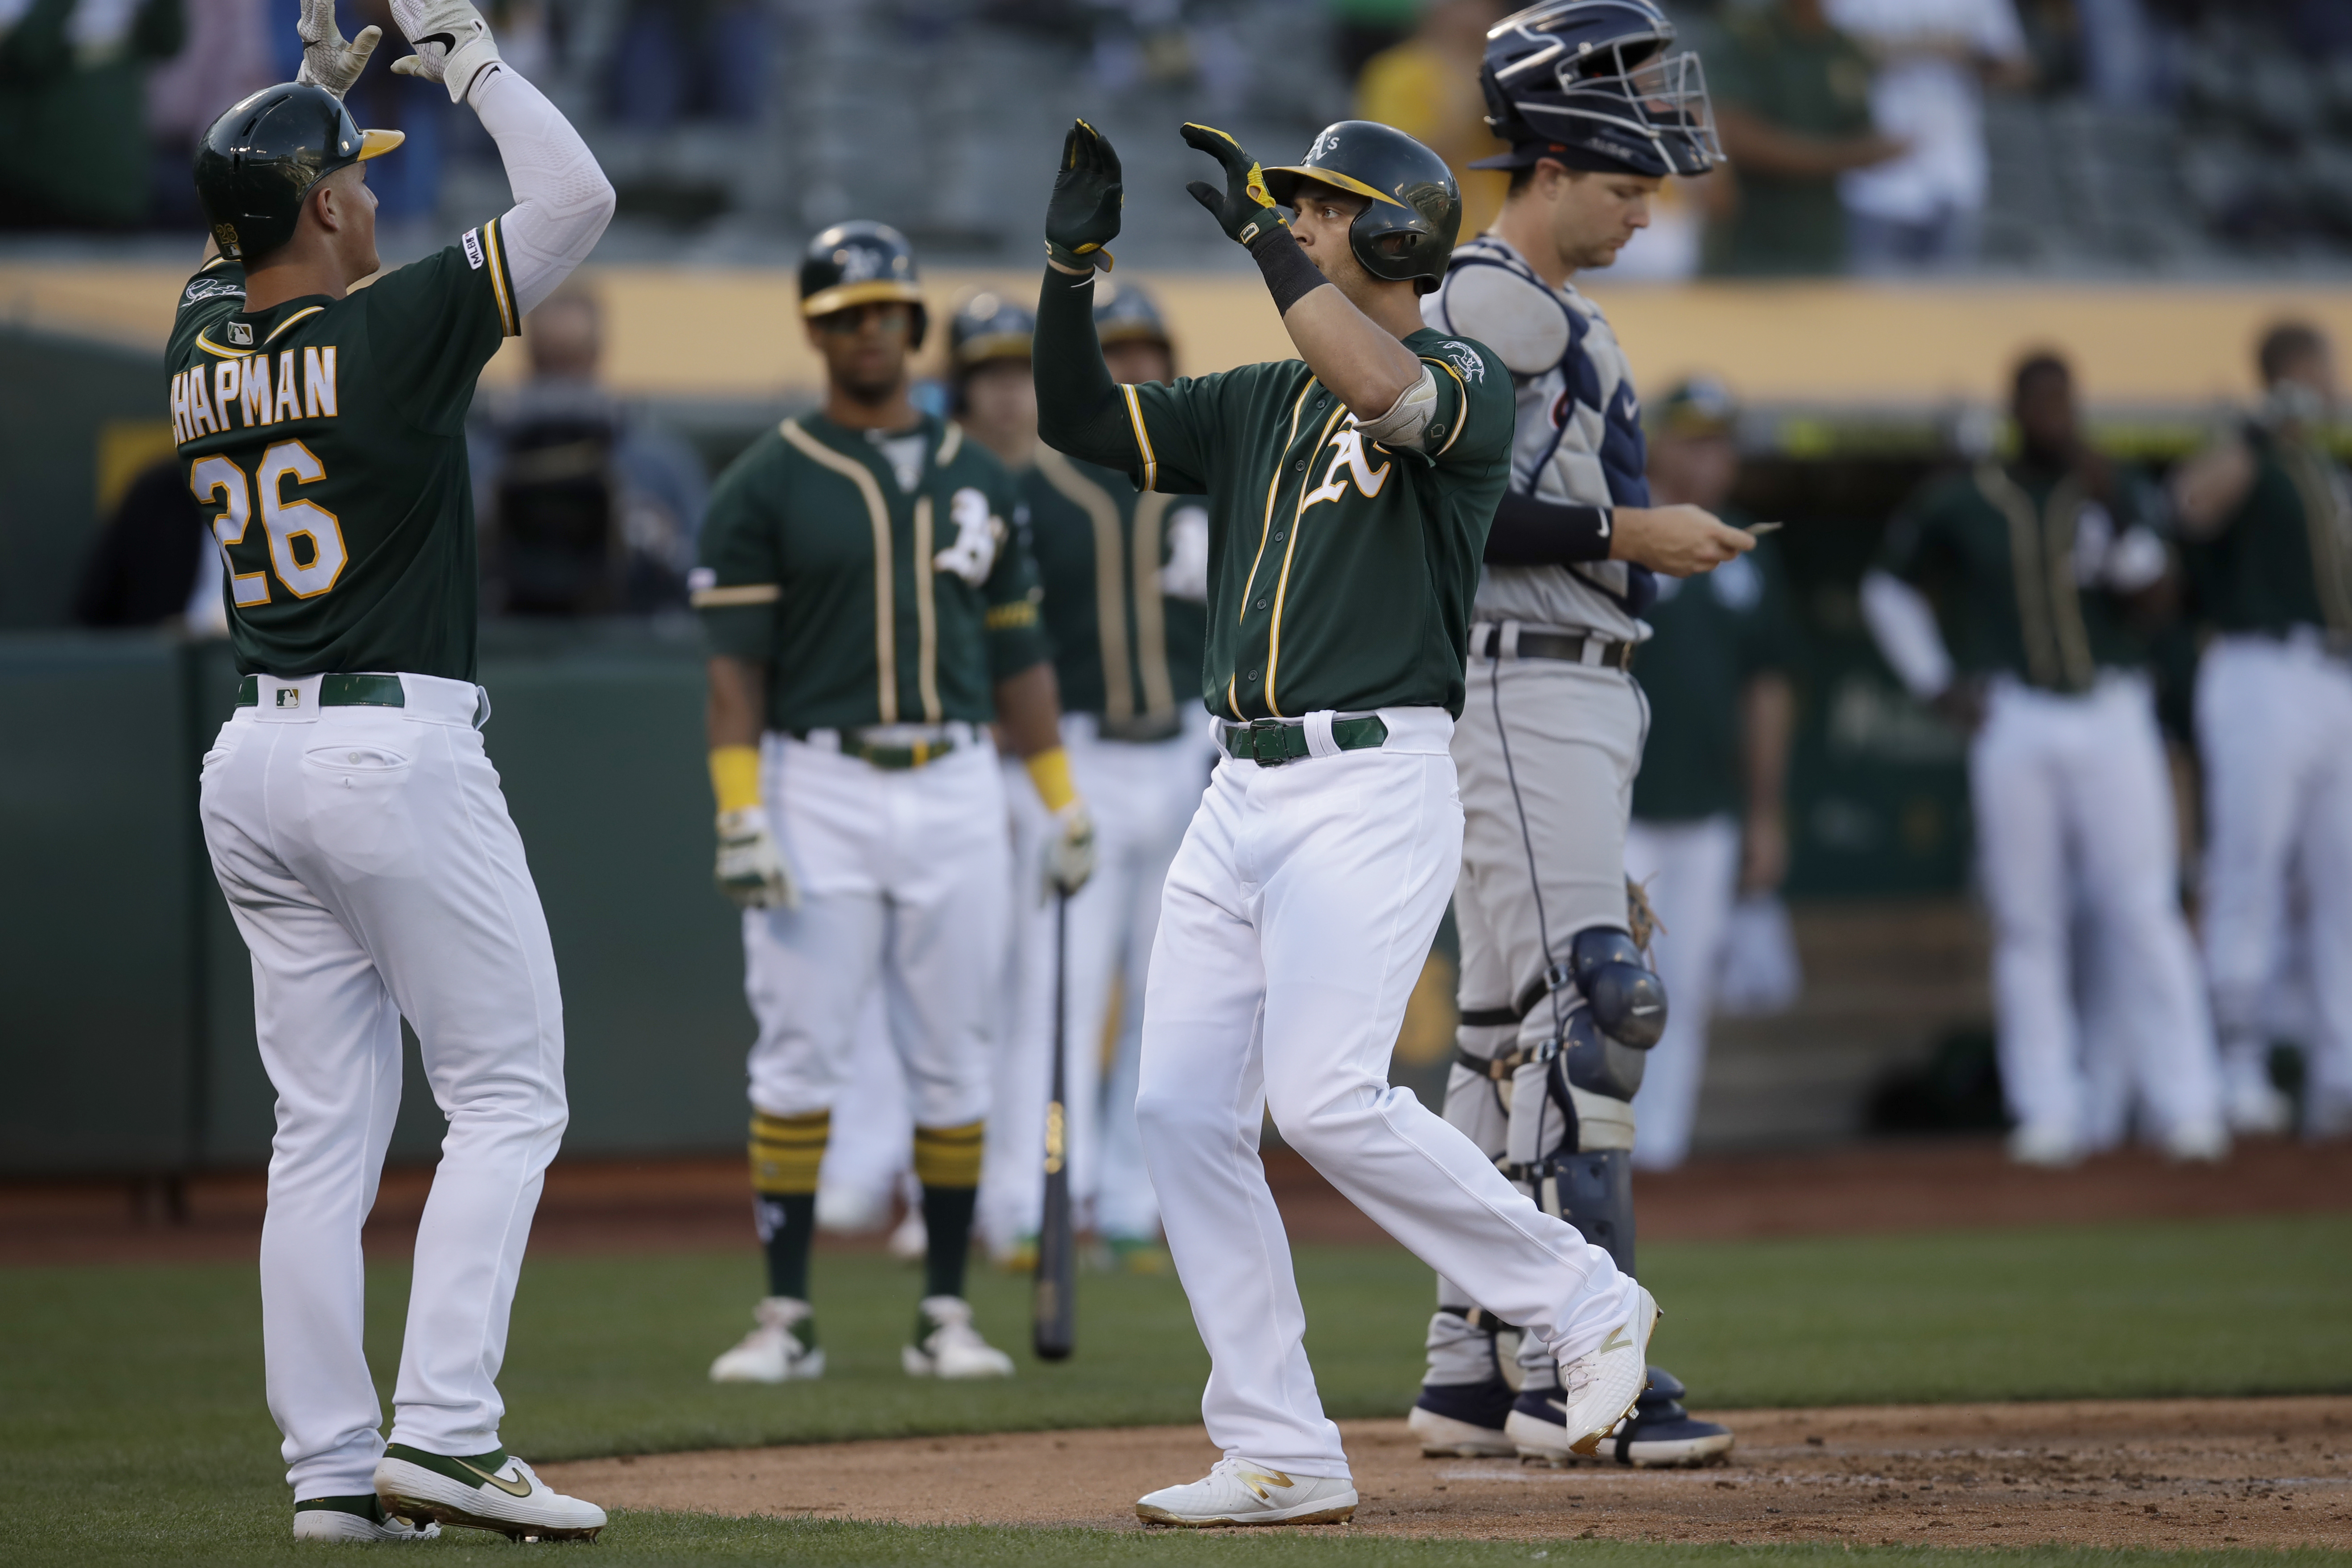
x=2190, y=1473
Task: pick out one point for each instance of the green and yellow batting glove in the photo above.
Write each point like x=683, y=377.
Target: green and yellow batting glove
x=1083, y=216
x=1245, y=208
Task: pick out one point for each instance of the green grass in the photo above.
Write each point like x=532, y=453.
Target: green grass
x=132, y=1424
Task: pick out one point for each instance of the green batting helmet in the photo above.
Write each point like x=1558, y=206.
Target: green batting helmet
x=987, y=326
x=860, y=262
x=1408, y=231
x=257, y=164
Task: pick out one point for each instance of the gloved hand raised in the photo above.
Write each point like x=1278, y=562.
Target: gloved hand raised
x=1245, y=208
x=453, y=43
x=1083, y=215
x=328, y=60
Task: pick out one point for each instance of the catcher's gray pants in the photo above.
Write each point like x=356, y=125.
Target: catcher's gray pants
x=1574, y=735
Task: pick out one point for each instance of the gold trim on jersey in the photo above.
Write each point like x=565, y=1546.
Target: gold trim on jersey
x=2042, y=568
x=1461, y=409
x=886, y=641
x=2322, y=523
x=1142, y=439
x=737, y=594
x=1110, y=607
x=927, y=626
x=950, y=444
x=1265, y=530
x=211, y=347
x=1289, y=548
x=510, y=312
x=289, y=322
x=1146, y=540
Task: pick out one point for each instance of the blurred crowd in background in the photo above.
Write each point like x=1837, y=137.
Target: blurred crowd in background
x=1867, y=135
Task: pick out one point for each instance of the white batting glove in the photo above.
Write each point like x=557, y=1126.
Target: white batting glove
x=1070, y=853
x=750, y=867
x=453, y=43
x=328, y=60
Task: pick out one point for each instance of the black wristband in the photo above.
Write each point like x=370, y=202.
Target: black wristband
x=1531, y=532
x=1289, y=276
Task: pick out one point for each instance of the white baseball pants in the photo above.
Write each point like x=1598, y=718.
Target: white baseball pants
x=902, y=878
x=368, y=858
x=2275, y=728
x=1690, y=870
x=2074, y=809
x=1297, y=916
x=1142, y=793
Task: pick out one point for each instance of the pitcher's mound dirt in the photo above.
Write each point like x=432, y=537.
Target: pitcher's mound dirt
x=2190, y=1473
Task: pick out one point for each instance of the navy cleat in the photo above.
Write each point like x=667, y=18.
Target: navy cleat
x=1464, y=1420
x=1661, y=1435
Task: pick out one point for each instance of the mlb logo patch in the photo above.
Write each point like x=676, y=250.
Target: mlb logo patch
x=241, y=334
x=472, y=241
x=289, y=697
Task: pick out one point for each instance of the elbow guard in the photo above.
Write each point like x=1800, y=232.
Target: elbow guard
x=1408, y=417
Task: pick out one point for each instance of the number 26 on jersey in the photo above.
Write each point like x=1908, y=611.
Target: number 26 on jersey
x=306, y=542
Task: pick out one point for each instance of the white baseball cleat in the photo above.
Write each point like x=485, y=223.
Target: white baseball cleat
x=2048, y=1147
x=2259, y=1109
x=947, y=1345
x=1597, y=1389
x=356, y=1519
x=1241, y=1491
x=911, y=1240
x=2197, y=1144
x=492, y=1491
x=777, y=1350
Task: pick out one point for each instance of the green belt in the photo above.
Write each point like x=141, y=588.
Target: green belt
x=891, y=758
x=334, y=691
x=1270, y=742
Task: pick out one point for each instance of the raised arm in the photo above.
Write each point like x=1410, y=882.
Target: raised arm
x=1079, y=409
x=1364, y=361
x=562, y=200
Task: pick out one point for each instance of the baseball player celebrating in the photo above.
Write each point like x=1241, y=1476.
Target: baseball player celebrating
x=869, y=615
x=1557, y=1000
x=1349, y=497
x=354, y=820
x=1124, y=575
x=2269, y=510
x=2046, y=562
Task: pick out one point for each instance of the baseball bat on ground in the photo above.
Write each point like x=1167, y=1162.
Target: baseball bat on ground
x=1054, y=1307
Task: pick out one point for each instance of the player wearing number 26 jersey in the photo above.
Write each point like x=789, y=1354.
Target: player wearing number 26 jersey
x=353, y=819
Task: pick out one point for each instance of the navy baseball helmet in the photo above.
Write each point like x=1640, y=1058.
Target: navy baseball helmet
x=1415, y=212
x=860, y=262
x=1124, y=314
x=987, y=326
x=259, y=162
x=1596, y=84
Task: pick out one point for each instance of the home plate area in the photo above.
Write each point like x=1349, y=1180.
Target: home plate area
x=2185, y=1473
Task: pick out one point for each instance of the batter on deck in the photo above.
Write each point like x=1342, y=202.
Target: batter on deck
x=1349, y=499
x=355, y=823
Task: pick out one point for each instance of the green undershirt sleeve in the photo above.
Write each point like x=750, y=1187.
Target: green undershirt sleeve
x=1079, y=410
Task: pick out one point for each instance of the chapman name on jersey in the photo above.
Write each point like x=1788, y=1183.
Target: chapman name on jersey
x=247, y=391
x=1578, y=437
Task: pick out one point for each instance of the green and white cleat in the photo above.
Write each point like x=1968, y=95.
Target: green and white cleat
x=361, y=1517
x=492, y=1491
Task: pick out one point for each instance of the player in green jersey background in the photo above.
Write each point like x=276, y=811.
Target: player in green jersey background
x=353, y=817
x=870, y=613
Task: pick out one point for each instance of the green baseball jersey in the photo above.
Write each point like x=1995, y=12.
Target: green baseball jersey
x=325, y=440
x=1714, y=632
x=2272, y=568
x=871, y=574
x=1125, y=647
x=1999, y=548
x=1340, y=570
